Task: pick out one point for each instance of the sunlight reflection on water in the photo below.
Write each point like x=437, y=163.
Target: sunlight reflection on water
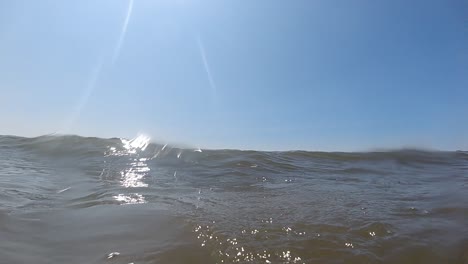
x=132, y=177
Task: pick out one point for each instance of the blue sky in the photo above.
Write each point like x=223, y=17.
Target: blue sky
x=315, y=75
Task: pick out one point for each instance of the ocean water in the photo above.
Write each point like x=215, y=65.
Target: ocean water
x=70, y=199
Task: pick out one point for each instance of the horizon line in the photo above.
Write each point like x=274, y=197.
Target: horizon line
x=190, y=146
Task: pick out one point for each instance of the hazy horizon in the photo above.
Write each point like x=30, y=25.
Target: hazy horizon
x=191, y=146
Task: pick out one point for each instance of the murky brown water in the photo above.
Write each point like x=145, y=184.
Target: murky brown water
x=89, y=200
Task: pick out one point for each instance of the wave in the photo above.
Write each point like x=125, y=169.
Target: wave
x=236, y=205
x=85, y=146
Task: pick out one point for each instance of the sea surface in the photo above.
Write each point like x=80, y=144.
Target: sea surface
x=71, y=199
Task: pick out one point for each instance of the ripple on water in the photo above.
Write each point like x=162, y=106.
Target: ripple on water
x=374, y=229
x=244, y=248
x=268, y=207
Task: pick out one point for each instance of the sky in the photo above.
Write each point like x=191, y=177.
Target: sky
x=265, y=74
